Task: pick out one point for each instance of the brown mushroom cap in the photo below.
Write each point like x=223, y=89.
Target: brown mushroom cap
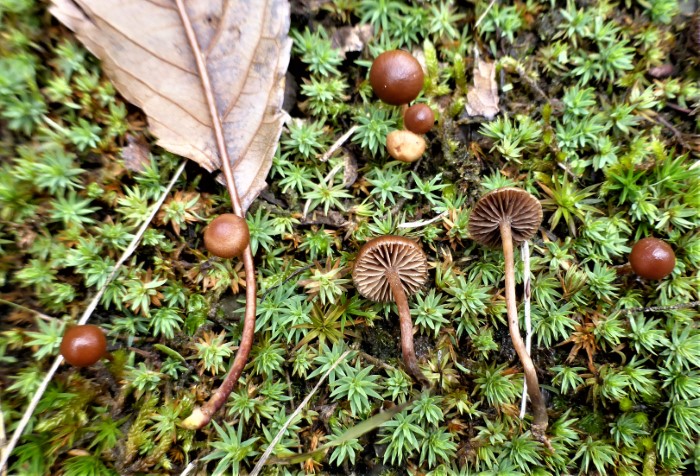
x=419, y=118
x=652, y=258
x=384, y=253
x=396, y=77
x=227, y=236
x=83, y=345
x=513, y=205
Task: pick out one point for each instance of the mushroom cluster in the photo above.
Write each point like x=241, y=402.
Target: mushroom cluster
x=500, y=218
x=397, y=79
x=391, y=268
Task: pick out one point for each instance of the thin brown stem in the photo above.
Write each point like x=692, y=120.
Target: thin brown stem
x=201, y=416
x=409, y=353
x=539, y=409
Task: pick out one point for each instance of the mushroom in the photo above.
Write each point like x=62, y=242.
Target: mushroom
x=83, y=345
x=396, y=77
x=419, y=118
x=227, y=236
x=405, y=146
x=502, y=217
x=652, y=258
x=391, y=268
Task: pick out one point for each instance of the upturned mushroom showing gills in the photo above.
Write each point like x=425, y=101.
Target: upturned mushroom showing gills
x=391, y=268
x=500, y=218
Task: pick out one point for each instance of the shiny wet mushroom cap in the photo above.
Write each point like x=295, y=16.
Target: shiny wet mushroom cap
x=402, y=255
x=513, y=205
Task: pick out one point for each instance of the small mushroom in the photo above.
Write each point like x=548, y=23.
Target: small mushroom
x=227, y=236
x=652, y=258
x=396, y=77
x=419, y=118
x=391, y=268
x=500, y=218
x=405, y=146
x=84, y=345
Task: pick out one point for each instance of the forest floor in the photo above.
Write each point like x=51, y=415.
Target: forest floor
x=597, y=116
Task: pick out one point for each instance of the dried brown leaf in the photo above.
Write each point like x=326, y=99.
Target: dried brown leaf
x=482, y=99
x=145, y=52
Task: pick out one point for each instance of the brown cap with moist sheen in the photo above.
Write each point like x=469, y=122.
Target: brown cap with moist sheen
x=401, y=254
x=83, y=345
x=419, y=118
x=396, y=77
x=652, y=258
x=509, y=204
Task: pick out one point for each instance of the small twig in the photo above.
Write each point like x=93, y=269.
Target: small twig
x=483, y=15
x=676, y=133
x=296, y=272
x=338, y=144
x=527, y=295
x=86, y=315
x=38, y=314
x=375, y=361
x=421, y=223
x=289, y=388
x=280, y=433
x=685, y=305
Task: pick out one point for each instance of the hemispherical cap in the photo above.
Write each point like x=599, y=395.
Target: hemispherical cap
x=227, y=236
x=396, y=77
x=419, y=118
x=385, y=253
x=652, y=258
x=509, y=204
x=83, y=345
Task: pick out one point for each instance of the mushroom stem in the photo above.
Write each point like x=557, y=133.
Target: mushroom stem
x=539, y=409
x=201, y=416
x=409, y=354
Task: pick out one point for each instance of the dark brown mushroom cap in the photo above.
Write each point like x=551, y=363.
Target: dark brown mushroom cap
x=384, y=253
x=513, y=205
x=419, y=118
x=396, y=77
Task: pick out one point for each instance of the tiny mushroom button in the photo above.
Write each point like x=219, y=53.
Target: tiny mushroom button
x=227, y=236
x=390, y=268
x=652, y=258
x=84, y=345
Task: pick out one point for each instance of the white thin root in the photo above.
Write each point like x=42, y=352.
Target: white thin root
x=420, y=223
x=527, y=294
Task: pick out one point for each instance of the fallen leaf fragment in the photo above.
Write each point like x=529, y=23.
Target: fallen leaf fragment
x=136, y=154
x=482, y=99
x=145, y=52
x=351, y=38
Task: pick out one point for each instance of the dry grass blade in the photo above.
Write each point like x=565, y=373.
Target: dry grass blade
x=278, y=436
